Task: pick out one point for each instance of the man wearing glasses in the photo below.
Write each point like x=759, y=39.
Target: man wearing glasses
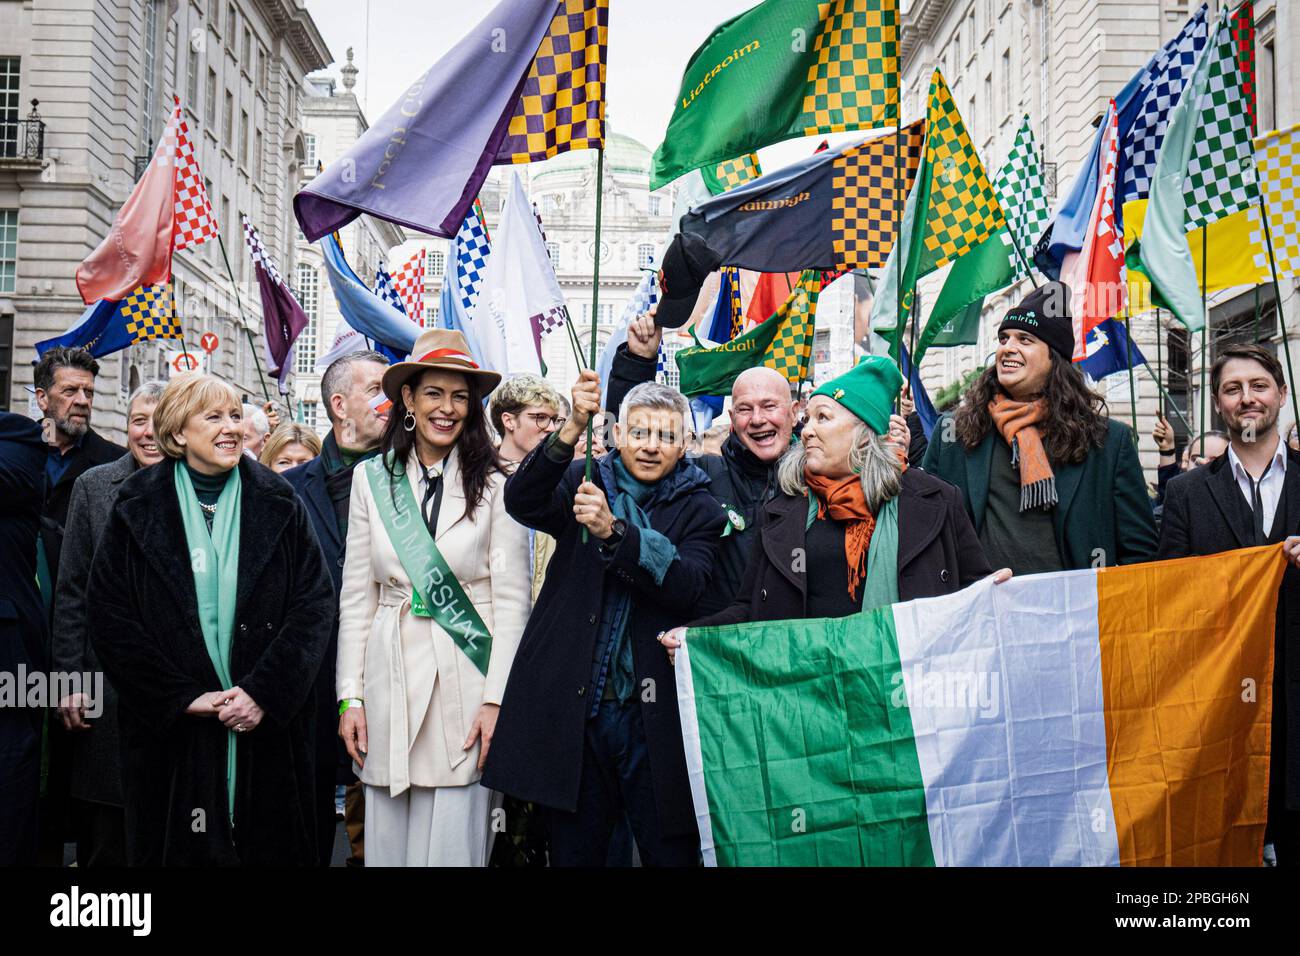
x=524, y=410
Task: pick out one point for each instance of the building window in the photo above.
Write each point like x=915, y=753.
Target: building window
x=261, y=69
x=258, y=150
x=230, y=26
x=214, y=14
x=228, y=122
x=192, y=79
x=309, y=153
x=243, y=138
x=6, y=357
x=1006, y=83
x=431, y=314
x=1266, y=84
x=435, y=263
x=654, y=205
x=645, y=255
x=210, y=107
x=8, y=249
x=9, y=105
x=148, y=63
x=224, y=223
x=246, y=52
x=553, y=253
x=309, y=414
x=309, y=298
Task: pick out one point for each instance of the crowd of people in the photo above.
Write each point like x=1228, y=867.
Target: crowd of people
x=440, y=626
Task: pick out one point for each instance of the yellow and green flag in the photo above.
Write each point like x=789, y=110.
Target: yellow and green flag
x=785, y=68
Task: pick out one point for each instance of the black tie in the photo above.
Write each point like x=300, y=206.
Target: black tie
x=1257, y=505
x=432, y=489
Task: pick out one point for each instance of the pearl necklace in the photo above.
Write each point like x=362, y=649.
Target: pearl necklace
x=210, y=509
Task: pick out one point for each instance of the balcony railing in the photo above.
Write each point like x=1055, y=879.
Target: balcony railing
x=22, y=139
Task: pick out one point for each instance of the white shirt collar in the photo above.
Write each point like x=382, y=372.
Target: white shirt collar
x=1277, y=466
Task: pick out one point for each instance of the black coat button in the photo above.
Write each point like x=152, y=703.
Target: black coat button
x=340, y=560
x=591, y=619
x=762, y=595
x=943, y=575
x=582, y=691
x=243, y=629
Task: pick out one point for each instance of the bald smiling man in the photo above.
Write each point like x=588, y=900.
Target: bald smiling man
x=744, y=476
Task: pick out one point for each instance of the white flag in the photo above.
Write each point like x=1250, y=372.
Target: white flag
x=519, y=289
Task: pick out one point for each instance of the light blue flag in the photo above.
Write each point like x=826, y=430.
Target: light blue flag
x=451, y=314
x=363, y=309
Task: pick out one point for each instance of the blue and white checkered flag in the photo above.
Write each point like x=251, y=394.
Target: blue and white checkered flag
x=471, y=250
x=384, y=289
x=646, y=295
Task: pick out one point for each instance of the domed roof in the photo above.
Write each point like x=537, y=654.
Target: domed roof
x=623, y=155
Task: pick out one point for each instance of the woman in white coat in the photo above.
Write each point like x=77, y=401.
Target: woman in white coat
x=421, y=669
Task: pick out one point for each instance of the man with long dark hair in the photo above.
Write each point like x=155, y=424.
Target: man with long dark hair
x=1050, y=482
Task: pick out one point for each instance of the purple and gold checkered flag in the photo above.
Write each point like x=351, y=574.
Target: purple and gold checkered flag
x=562, y=105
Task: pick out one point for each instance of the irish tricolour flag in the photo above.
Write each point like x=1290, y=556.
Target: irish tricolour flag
x=1084, y=718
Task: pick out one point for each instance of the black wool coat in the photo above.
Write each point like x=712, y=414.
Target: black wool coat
x=147, y=634
x=1206, y=513
x=1103, y=510
x=938, y=553
x=93, y=451
x=537, y=751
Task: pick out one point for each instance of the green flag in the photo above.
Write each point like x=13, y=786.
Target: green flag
x=783, y=342
x=952, y=208
x=1205, y=171
x=1000, y=259
x=783, y=69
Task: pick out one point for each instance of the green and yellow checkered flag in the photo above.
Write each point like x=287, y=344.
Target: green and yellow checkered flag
x=562, y=106
x=732, y=173
x=952, y=209
x=147, y=313
x=783, y=341
x=780, y=70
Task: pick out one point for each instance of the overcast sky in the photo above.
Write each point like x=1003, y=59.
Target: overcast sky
x=394, y=41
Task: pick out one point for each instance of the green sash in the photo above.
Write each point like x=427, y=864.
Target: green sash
x=881, y=587
x=437, y=593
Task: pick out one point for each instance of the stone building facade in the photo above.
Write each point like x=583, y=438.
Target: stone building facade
x=103, y=74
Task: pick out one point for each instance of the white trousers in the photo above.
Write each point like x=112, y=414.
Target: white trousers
x=430, y=826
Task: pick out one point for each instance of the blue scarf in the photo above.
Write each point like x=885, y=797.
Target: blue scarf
x=633, y=500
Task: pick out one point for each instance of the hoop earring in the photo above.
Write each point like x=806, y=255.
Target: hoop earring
x=408, y=422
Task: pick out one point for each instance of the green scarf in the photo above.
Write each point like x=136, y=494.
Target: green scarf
x=881, y=587
x=214, y=559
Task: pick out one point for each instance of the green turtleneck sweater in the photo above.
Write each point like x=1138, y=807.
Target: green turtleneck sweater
x=208, y=489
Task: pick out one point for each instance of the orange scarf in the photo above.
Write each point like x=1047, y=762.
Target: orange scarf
x=843, y=500
x=1018, y=424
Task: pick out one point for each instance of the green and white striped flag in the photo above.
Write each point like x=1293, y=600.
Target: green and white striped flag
x=994, y=264
x=1205, y=171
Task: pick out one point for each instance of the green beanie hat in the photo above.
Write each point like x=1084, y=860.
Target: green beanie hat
x=868, y=390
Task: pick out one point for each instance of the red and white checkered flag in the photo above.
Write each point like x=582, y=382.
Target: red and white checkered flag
x=195, y=222
x=408, y=282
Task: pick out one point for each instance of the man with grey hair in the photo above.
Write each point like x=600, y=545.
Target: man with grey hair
x=256, y=428
x=65, y=392
x=588, y=726
x=358, y=412
x=91, y=718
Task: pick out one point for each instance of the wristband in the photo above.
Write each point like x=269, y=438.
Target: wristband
x=350, y=702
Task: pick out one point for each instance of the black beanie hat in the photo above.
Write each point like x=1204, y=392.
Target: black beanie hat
x=1045, y=313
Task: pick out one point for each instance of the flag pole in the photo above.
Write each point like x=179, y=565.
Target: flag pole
x=1159, y=372
x=242, y=320
x=898, y=190
x=180, y=323
x=1281, y=319
x=1169, y=400
x=1205, y=329
x=595, y=301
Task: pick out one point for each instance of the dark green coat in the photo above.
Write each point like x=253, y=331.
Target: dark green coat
x=1103, y=515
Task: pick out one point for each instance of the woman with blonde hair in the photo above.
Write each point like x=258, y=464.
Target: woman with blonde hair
x=289, y=446
x=212, y=610
x=435, y=597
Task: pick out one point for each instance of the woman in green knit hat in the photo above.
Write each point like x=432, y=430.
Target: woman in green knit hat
x=854, y=528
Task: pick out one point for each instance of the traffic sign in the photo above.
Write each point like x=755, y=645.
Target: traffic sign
x=208, y=341
x=180, y=362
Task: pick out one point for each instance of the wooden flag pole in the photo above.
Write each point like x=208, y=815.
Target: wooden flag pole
x=242, y=320
x=595, y=303
x=1281, y=319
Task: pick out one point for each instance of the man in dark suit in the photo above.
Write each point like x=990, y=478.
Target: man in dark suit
x=325, y=486
x=22, y=633
x=65, y=391
x=1250, y=496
